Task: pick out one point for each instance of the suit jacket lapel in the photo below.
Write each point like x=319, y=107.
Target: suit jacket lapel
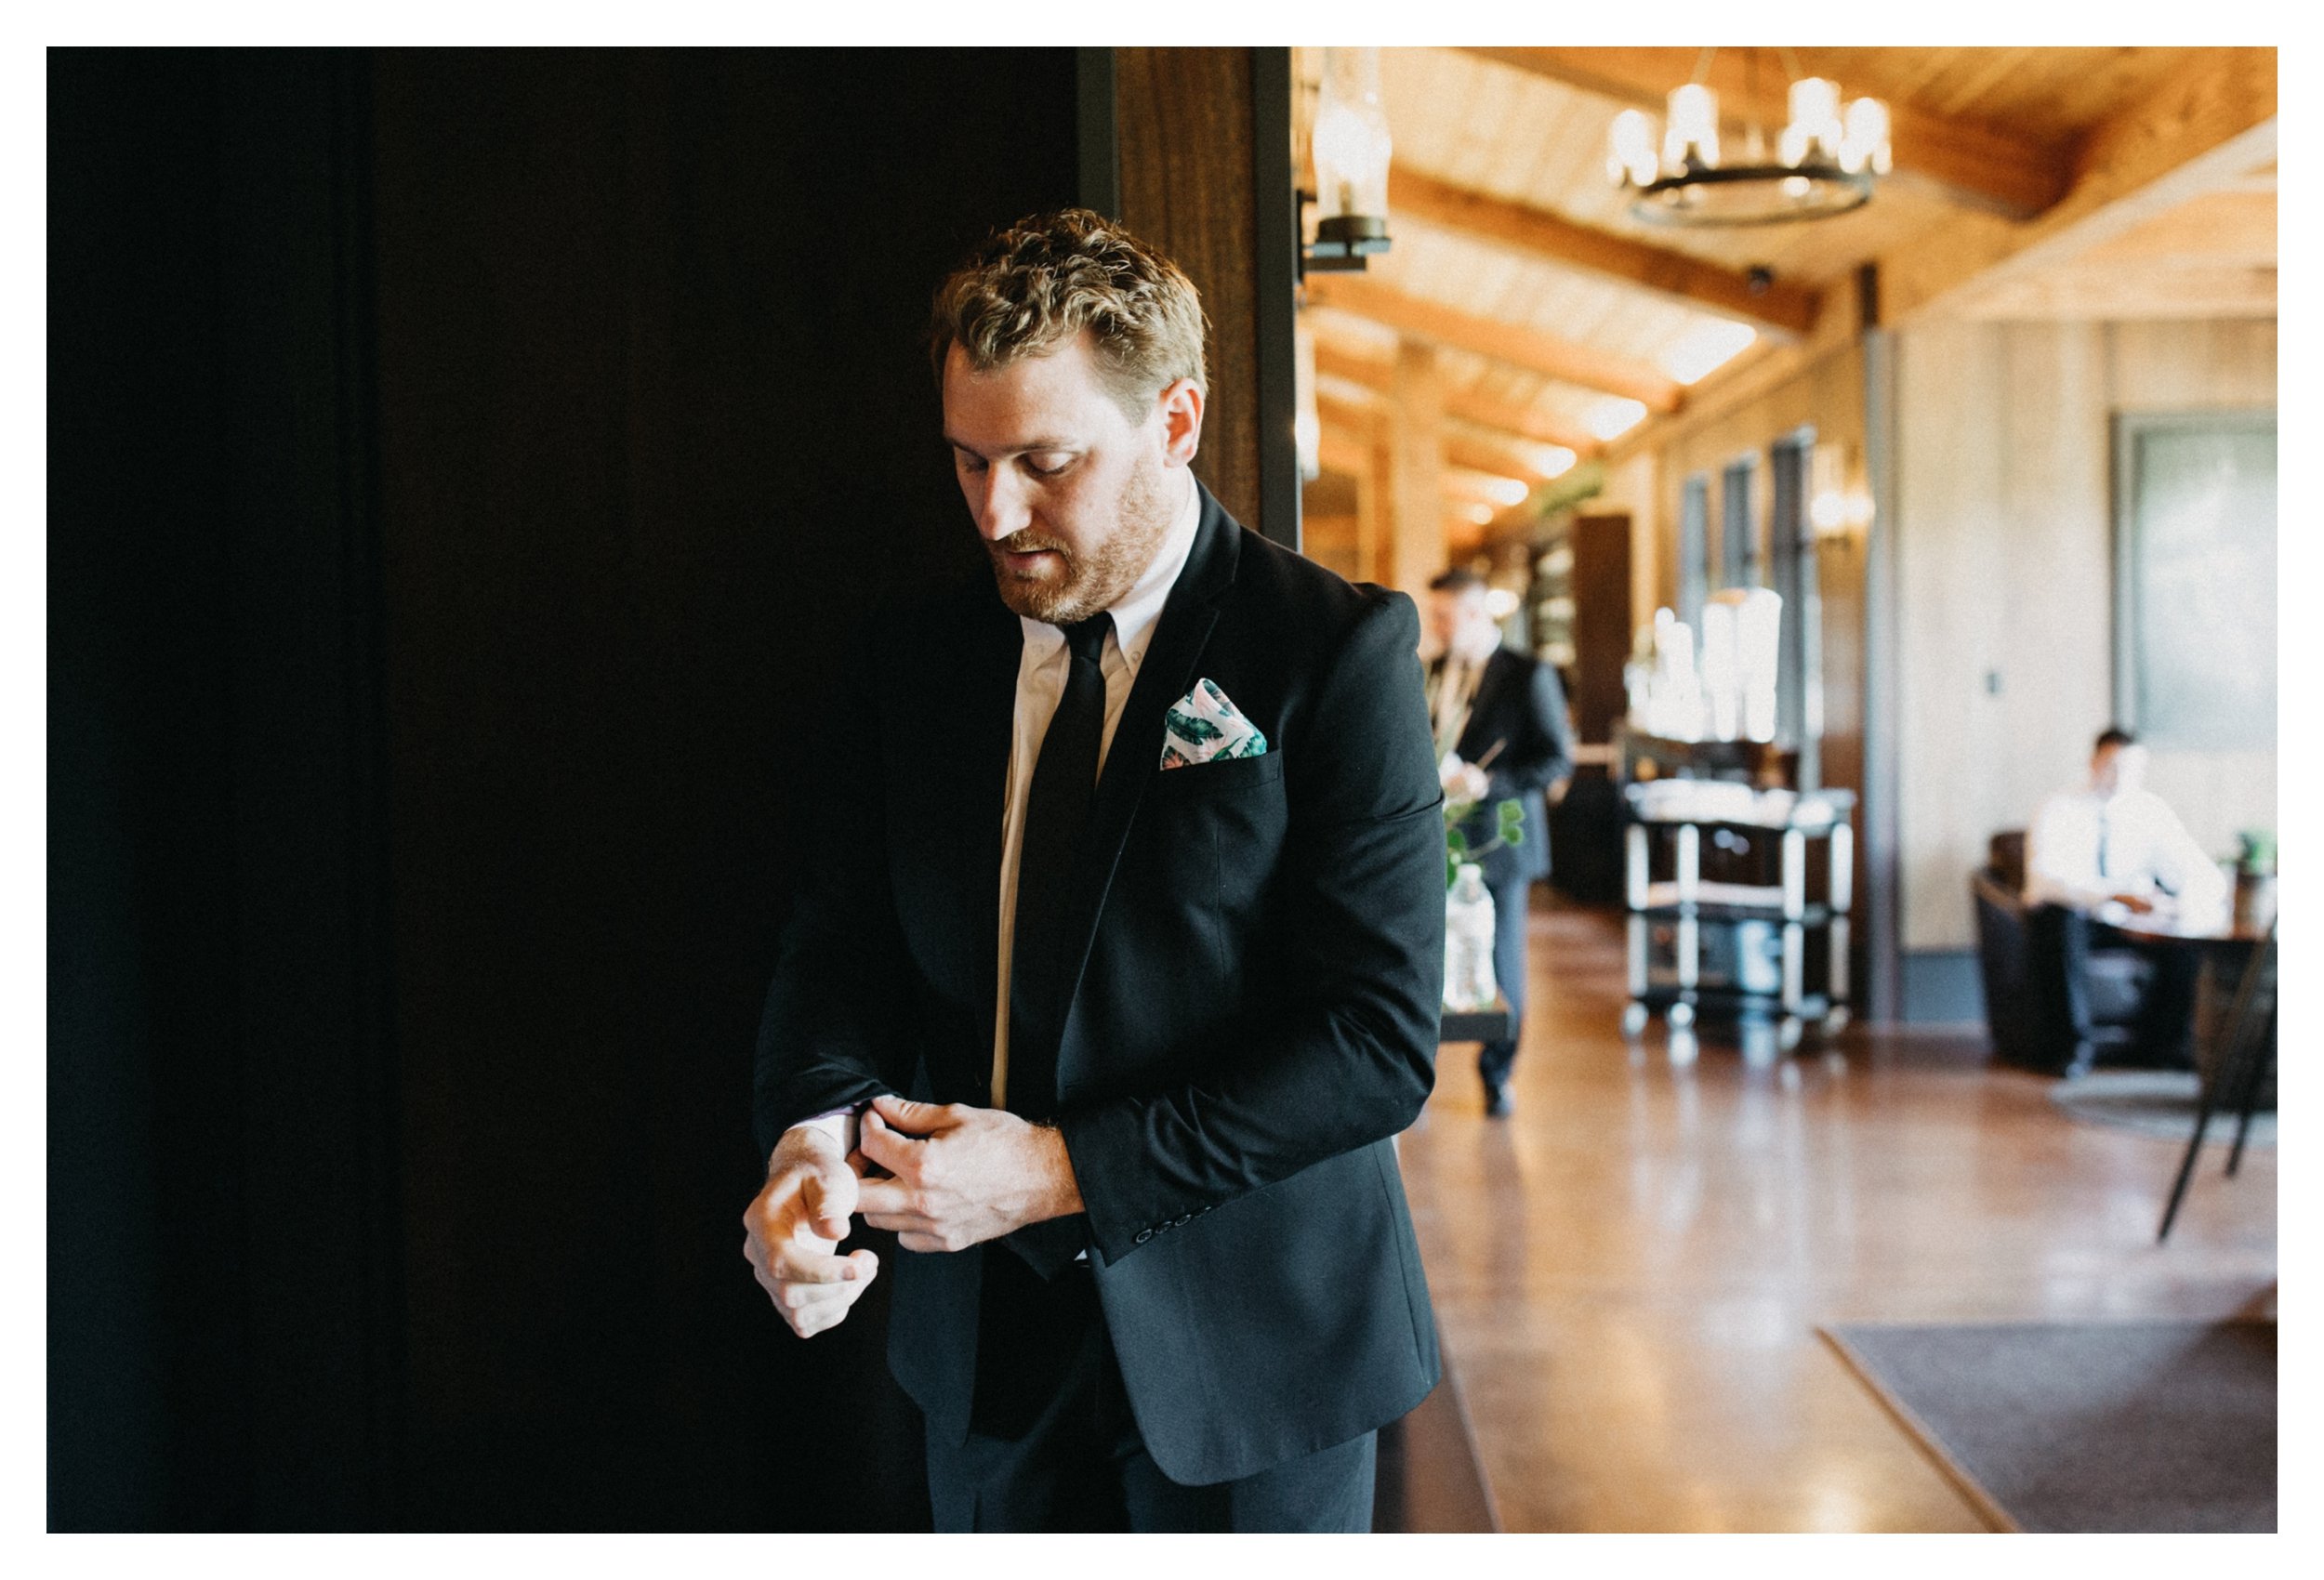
x=1135, y=757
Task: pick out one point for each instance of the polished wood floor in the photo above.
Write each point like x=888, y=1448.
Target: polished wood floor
x=1630, y=1273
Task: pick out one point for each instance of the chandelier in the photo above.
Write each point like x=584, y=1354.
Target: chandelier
x=1825, y=163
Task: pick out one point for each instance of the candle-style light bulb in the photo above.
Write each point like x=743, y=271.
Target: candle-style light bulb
x=1694, y=126
x=1630, y=148
x=1352, y=145
x=1814, y=104
x=1866, y=141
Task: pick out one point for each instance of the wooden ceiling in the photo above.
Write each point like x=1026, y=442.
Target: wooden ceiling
x=1547, y=302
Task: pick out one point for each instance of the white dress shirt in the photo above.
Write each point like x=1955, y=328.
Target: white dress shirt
x=1042, y=667
x=2084, y=848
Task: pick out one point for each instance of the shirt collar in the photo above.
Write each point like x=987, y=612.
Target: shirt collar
x=1136, y=611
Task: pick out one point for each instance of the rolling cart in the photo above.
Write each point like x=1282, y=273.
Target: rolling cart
x=1767, y=937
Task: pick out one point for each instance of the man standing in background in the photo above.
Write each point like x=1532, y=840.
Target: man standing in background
x=1502, y=734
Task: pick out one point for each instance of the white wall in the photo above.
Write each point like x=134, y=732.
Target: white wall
x=2004, y=526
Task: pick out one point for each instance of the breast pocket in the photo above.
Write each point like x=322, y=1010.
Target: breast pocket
x=1202, y=854
x=1219, y=776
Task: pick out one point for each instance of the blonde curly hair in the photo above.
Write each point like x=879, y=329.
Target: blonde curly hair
x=1048, y=277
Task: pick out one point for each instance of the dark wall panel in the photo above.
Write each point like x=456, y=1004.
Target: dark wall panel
x=220, y=1245
x=462, y=466
x=656, y=426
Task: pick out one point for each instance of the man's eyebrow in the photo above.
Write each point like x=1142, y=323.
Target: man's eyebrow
x=1028, y=446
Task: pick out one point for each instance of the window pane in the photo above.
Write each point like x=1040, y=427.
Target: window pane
x=1693, y=552
x=2202, y=567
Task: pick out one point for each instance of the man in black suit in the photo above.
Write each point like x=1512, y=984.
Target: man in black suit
x=1148, y=920
x=1501, y=728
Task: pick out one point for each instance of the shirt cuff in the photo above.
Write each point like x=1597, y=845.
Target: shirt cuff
x=840, y=1125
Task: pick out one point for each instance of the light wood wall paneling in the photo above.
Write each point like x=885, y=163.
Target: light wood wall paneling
x=2005, y=531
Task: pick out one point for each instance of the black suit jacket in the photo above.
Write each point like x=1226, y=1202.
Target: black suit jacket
x=1255, y=973
x=1520, y=708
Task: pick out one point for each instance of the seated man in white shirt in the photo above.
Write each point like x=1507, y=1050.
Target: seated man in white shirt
x=2115, y=852
x=2116, y=849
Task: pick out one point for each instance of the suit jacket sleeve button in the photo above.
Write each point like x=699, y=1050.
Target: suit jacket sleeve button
x=1142, y=1236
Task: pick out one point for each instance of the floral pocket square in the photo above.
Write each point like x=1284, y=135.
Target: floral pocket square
x=1204, y=725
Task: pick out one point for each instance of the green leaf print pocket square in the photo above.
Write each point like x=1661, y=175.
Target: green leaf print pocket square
x=1204, y=725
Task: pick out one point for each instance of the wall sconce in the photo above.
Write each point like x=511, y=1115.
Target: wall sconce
x=1350, y=149
x=1839, y=502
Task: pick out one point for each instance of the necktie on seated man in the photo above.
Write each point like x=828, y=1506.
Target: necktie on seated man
x=1057, y=814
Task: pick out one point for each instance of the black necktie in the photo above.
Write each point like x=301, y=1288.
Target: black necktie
x=1057, y=810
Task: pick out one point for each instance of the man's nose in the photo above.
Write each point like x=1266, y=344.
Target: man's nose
x=1003, y=509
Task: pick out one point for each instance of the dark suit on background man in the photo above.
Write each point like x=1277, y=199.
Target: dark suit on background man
x=1517, y=729
x=1249, y=1013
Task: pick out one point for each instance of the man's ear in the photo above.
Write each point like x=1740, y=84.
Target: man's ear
x=1182, y=421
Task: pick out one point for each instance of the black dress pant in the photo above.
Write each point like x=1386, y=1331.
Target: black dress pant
x=1080, y=1465
x=1510, y=895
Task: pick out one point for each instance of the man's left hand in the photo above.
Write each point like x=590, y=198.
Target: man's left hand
x=962, y=1175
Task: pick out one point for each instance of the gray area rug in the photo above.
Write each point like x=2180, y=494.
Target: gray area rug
x=2154, y=1102
x=2088, y=1427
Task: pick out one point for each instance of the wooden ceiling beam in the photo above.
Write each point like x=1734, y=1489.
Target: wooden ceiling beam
x=1974, y=166
x=1360, y=423
x=1522, y=422
x=2086, y=289
x=1352, y=430
x=1371, y=373
x=1483, y=456
x=1466, y=487
x=1536, y=232
x=1518, y=422
x=2204, y=132
x=1515, y=344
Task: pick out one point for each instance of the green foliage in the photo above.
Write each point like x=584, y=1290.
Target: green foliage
x=1579, y=483
x=1509, y=819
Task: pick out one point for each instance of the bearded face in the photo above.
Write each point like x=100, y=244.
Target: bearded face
x=1071, y=495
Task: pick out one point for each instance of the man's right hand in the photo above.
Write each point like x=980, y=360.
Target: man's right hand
x=794, y=1229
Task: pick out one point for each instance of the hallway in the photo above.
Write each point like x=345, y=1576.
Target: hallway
x=1629, y=1275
